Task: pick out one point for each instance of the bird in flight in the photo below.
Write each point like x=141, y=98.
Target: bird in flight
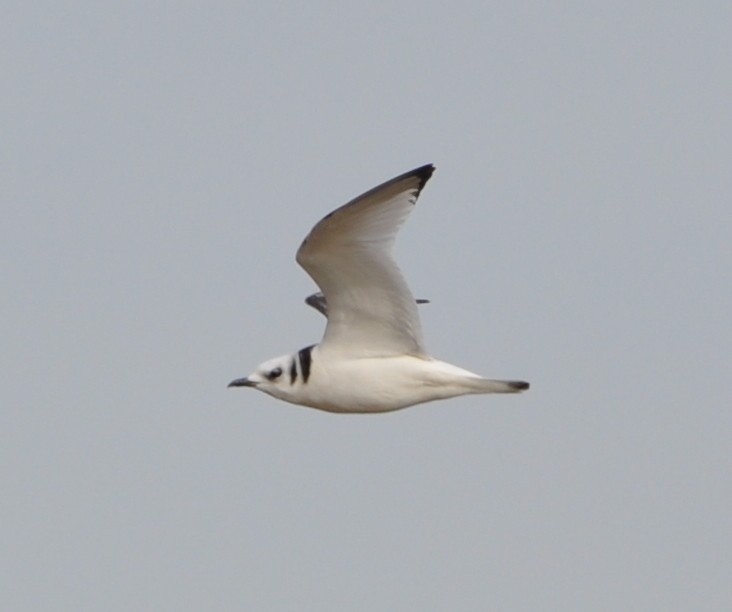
x=372, y=356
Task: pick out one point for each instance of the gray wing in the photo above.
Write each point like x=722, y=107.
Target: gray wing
x=370, y=309
x=317, y=301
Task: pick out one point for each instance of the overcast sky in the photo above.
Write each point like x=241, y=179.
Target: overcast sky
x=162, y=161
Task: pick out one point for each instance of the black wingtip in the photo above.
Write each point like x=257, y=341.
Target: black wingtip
x=423, y=173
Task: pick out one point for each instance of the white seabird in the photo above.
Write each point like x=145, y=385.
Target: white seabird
x=372, y=357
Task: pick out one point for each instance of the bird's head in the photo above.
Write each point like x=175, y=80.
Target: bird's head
x=272, y=377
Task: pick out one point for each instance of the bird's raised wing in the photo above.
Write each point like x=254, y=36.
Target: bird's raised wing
x=370, y=309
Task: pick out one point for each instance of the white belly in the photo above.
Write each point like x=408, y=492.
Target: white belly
x=380, y=385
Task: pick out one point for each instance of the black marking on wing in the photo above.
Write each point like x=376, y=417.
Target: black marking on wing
x=305, y=358
x=293, y=371
x=423, y=173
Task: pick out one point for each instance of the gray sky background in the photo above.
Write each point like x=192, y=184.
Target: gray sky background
x=162, y=161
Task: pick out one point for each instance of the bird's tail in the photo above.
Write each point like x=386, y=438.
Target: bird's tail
x=485, y=385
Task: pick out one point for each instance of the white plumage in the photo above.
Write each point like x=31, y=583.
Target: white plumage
x=372, y=357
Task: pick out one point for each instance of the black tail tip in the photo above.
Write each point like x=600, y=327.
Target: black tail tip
x=519, y=385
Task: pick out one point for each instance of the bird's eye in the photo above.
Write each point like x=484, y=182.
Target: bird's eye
x=274, y=374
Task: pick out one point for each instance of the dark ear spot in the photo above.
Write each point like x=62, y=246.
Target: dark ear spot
x=274, y=374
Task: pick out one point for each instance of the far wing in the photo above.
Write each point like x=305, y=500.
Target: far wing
x=370, y=309
x=317, y=301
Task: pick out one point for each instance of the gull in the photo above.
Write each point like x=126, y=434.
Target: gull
x=372, y=356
